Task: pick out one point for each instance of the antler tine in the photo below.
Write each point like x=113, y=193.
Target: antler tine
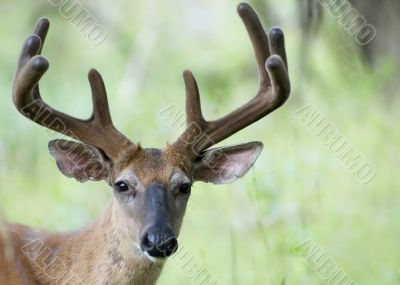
x=193, y=104
x=273, y=91
x=98, y=130
x=258, y=39
x=101, y=111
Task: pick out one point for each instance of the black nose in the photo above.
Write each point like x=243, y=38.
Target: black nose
x=158, y=243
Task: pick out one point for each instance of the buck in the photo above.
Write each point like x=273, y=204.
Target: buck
x=131, y=240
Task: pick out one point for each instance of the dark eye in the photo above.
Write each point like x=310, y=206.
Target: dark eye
x=121, y=186
x=185, y=188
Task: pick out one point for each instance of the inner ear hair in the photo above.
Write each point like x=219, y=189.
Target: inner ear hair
x=80, y=161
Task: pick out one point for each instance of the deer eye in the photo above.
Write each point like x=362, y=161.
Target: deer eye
x=121, y=186
x=185, y=188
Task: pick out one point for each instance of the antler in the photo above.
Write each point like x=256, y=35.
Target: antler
x=273, y=91
x=98, y=130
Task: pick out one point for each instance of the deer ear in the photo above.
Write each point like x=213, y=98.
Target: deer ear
x=80, y=161
x=225, y=164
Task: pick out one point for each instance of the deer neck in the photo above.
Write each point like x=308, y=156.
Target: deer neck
x=103, y=253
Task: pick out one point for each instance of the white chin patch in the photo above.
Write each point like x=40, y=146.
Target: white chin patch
x=149, y=257
x=145, y=254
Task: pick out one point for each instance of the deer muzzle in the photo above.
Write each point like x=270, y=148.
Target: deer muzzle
x=158, y=238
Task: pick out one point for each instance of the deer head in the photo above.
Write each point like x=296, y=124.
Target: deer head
x=152, y=186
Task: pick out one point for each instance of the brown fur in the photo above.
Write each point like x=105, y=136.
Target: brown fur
x=102, y=253
x=105, y=252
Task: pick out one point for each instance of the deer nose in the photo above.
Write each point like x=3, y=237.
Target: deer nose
x=158, y=243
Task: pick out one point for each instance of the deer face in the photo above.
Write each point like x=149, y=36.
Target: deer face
x=151, y=186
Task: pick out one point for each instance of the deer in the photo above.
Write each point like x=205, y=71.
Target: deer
x=131, y=240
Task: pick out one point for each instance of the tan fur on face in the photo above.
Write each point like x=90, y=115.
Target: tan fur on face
x=150, y=165
x=141, y=167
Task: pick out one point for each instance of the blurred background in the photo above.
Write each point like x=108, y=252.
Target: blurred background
x=243, y=233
